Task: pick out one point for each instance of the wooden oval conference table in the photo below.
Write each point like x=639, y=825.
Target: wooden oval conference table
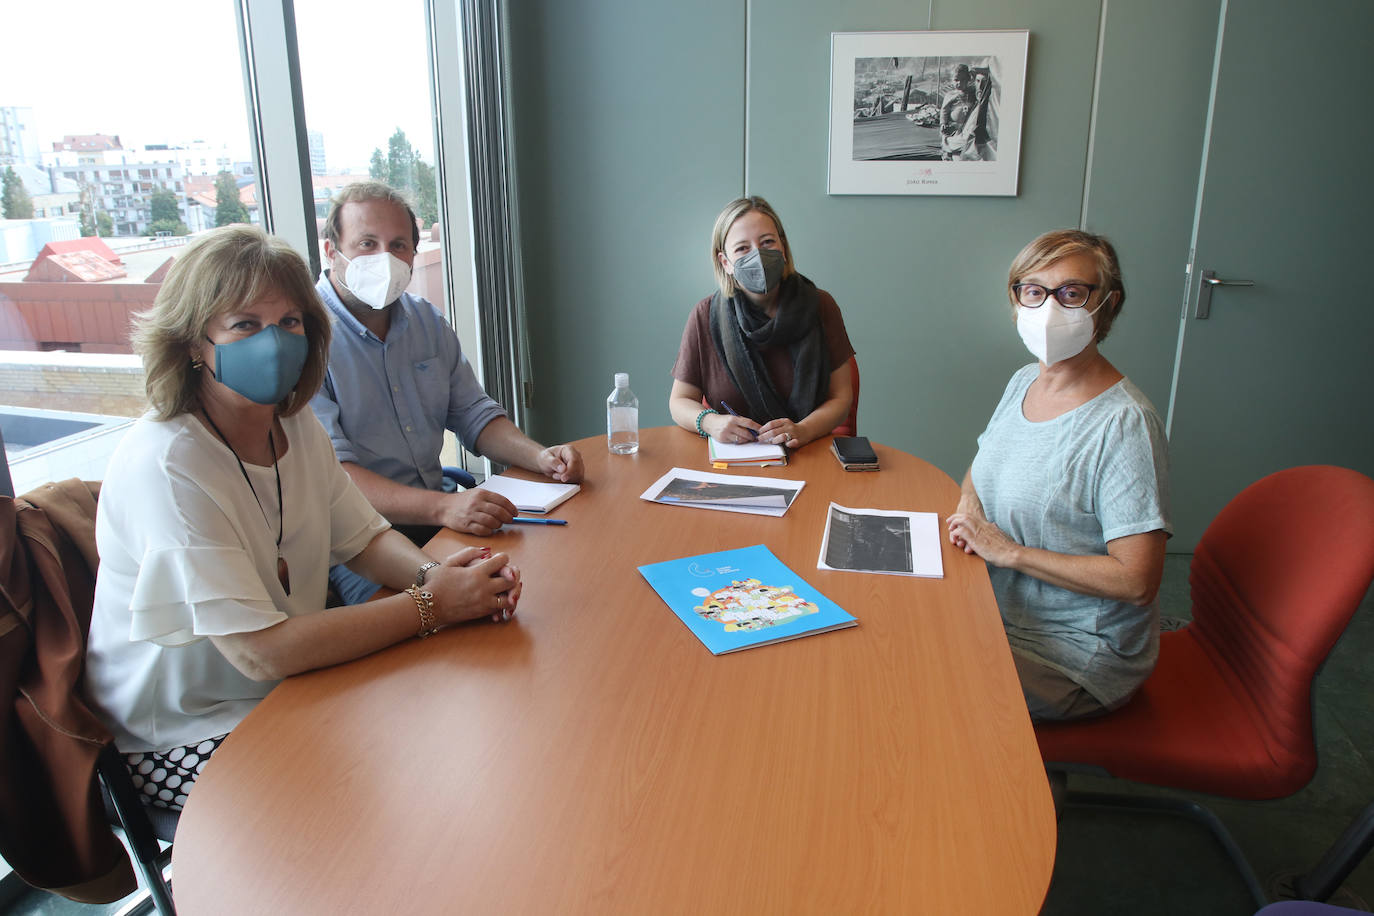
x=592, y=756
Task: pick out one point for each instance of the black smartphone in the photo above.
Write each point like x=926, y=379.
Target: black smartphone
x=855, y=453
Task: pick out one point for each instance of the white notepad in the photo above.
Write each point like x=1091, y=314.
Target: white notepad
x=531, y=495
x=753, y=454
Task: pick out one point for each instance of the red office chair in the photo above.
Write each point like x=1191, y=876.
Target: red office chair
x=1228, y=709
x=850, y=426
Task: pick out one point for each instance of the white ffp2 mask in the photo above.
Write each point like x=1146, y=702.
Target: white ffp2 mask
x=376, y=279
x=1053, y=333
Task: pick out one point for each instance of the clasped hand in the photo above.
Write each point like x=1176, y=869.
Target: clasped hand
x=971, y=532
x=474, y=583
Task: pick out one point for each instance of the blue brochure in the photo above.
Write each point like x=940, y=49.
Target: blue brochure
x=738, y=599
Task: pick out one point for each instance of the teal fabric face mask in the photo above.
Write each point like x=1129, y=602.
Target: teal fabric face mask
x=263, y=368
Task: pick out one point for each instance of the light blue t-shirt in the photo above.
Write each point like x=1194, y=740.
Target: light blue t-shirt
x=386, y=403
x=1070, y=485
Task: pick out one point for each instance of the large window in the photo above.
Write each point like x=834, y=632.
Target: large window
x=128, y=156
x=369, y=112
x=110, y=146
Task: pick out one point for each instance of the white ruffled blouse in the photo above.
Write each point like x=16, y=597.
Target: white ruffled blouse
x=187, y=552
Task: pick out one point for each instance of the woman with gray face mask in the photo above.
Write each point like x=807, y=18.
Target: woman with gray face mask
x=766, y=357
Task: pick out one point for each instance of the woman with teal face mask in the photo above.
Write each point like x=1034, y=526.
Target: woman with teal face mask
x=766, y=357
x=222, y=511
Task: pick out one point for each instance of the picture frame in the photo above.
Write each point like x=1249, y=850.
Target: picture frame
x=926, y=112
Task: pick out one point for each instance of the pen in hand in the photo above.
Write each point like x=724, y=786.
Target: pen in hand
x=731, y=411
x=522, y=520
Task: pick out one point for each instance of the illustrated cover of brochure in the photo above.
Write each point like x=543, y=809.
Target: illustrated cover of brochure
x=882, y=541
x=738, y=599
x=728, y=492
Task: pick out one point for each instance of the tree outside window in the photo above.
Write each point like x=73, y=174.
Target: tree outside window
x=228, y=208
x=17, y=203
x=166, y=214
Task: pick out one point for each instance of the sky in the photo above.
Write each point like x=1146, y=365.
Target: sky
x=168, y=71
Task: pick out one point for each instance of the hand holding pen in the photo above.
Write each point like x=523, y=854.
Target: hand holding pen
x=736, y=429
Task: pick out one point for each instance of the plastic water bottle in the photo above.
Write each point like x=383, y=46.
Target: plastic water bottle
x=622, y=418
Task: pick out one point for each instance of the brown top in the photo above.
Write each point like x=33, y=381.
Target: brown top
x=592, y=756
x=699, y=364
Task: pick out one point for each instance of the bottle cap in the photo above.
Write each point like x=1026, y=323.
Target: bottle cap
x=622, y=380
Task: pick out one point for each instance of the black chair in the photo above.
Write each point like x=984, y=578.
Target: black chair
x=461, y=477
x=1340, y=860
x=57, y=521
x=143, y=826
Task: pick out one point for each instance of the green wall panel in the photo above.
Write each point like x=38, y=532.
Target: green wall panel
x=629, y=122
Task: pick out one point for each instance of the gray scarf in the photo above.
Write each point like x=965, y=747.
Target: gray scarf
x=739, y=330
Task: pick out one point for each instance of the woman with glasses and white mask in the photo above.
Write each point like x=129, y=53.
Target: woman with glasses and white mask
x=768, y=352
x=1068, y=497
x=222, y=511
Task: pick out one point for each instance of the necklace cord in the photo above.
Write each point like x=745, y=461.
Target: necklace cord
x=282, y=571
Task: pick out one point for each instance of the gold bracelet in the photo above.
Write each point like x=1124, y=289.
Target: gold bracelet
x=424, y=603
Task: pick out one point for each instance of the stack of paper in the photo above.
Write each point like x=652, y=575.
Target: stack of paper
x=750, y=454
x=531, y=495
x=703, y=490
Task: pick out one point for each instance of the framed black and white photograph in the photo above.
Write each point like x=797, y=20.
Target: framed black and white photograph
x=926, y=112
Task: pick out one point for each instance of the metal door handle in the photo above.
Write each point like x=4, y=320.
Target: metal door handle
x=1211, y=281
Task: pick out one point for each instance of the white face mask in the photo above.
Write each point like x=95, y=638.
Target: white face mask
x=376, y=279
x=1053, y=333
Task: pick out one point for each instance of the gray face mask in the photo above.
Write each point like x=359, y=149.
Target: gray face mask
x=760, y=271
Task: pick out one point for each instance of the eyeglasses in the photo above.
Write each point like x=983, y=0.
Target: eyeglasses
x=1070, y=295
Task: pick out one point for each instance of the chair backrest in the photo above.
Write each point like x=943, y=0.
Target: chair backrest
x=1275, y=579
x=78, y=857
x=850, y=425
x=51, y=739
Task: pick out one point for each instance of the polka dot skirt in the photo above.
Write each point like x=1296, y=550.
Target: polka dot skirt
x=164, y=779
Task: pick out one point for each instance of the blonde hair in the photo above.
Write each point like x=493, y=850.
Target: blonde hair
x=360, y=192
x=733, y=211
x=223, y=270
x=1055, y=246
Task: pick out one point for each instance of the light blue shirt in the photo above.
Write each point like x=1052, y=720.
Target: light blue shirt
x=1070, y=485
x=386, y=403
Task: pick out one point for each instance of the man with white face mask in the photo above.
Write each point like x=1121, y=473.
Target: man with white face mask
x=398, y=378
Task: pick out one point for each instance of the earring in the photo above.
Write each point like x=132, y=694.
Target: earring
x=197, y=363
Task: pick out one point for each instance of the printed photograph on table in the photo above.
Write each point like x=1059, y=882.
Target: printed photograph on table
x=926, y=112
x=730, y=493
x=738, y=599
x=891, y=541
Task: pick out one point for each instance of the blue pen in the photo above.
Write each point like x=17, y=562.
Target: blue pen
x=522, y=520
x=730, y=410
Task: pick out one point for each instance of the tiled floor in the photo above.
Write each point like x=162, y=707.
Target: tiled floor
x=1116, y=864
